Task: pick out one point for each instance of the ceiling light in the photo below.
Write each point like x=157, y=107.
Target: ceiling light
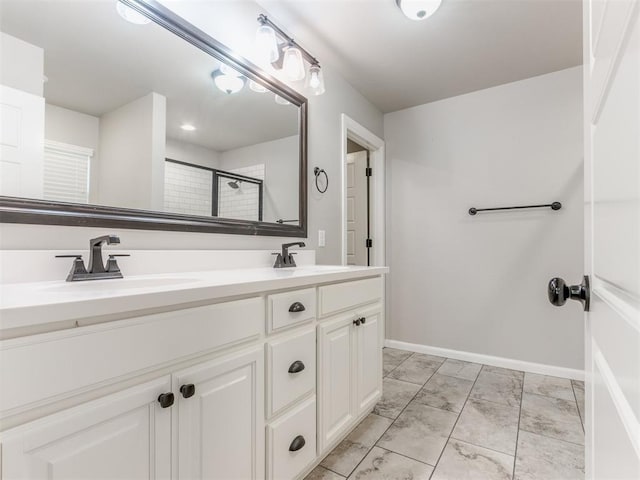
x=131, y=15
x=292, y=65
x=227, y=83
x=282, y=101
x=187, y=127
x=418, y=9
x=315, y=80
x=256, y=87
x=267, y=44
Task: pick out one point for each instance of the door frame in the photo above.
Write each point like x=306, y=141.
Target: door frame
x=352, y=130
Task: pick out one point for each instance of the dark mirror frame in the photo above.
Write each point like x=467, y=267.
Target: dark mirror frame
x=24, y=210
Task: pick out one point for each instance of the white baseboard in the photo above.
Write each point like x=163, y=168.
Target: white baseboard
x=503, y=362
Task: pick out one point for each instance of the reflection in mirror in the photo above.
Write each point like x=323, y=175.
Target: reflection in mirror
x=102, y=108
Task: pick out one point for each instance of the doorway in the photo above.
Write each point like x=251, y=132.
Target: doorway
x=363, y=195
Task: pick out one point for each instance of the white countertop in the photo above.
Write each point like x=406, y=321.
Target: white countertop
x=38, y=303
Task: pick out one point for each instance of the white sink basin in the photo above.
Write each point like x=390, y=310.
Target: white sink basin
x=119, y=284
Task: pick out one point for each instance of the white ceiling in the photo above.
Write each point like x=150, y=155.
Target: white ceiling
x=96, y=62
x=467, y=45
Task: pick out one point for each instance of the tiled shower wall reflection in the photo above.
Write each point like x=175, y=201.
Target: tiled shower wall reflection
x=243, y=202
x=187, y=189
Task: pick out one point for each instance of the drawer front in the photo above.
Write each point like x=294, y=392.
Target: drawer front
x=343, y=296
x=284, y=435
x=290, y=308
x=69, y=360
x=291, y=369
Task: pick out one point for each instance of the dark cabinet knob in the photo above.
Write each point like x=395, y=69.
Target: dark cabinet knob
x=297, y=443
x=357, y=322
x=188, y=390
x=559, y=292
x=166, y=399
x=297, y=307
x=362, y=319
x=296, y=367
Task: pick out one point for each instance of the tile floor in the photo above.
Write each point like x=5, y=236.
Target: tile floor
x=441, y=418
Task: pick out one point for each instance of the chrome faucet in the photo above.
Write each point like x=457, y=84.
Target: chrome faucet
x=285, y=259
x=97, y=269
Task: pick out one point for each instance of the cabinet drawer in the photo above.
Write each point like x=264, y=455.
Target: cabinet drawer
x=290, y=308
x=43, y=366
x=343, y=296
x=291, y=369
x=285, y=435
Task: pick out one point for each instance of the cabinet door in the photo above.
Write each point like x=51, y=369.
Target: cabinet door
x=369, y=361
x=336, y=360
x=123, y=436
x=220, y=428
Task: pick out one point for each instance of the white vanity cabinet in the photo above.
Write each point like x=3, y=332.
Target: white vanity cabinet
x=257, y=387
x=219, y=418
x=350, y=355
x=125, y=435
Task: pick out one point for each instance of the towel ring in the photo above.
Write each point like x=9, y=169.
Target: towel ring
x=317, y=172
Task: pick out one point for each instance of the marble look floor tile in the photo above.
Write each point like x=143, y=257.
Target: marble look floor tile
x=381, y=464
x=504, y=389
x=460, y=369
x=545, y=458
x=578, y=390
x=417, y=368
x=420, y=432
x=548, y=386
x=391, y=358
x=442, y=391
x=462, y=460
x=503, y=371
x=489, y=425
x=320, y=473
x=551, y=417
x=395, y=396
x=350, y=452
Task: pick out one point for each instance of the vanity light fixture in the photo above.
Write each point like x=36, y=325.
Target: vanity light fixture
x=187, y=127
x=418, y=9
x=131, y=15
x=281, y=51
x=228, y=83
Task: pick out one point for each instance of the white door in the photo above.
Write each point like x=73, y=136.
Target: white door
x=336, y=377
x=612, y=226
x=220, y=418
x=369, y=360
x=357, y=221
x=123, y=436
x=21, y=143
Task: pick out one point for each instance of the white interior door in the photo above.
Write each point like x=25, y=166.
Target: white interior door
x=612, y=237
x=357, y=208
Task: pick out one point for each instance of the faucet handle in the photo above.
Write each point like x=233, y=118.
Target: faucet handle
x=112, y=264
x=77, y=269
x=69, y=256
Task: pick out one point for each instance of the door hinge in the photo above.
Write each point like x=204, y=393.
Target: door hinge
x=369, y=243
x=368, y=171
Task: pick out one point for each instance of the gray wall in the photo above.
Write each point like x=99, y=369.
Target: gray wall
x=478, y=284
x=234, y=24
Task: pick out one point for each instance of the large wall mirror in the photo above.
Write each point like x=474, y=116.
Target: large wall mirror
x=122, y=114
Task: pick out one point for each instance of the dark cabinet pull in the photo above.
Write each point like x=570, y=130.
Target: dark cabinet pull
x=296, y=367
x=362, y=319
x=166, y=399
x=188, y=390
x=297, y=307
x=297, y=443
x=357, y=322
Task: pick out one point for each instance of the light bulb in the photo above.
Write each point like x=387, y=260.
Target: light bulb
x=418, y=9
x=315, y=80
x=131, y=15
x=292, y=65
x=256, y=87
x=267, y=44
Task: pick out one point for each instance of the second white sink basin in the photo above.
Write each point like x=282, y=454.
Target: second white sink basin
x=119, y=284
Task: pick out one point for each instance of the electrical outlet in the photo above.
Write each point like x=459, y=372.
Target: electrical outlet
x=321, y=238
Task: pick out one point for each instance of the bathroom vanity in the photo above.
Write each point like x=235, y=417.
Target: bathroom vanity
x=248, y=373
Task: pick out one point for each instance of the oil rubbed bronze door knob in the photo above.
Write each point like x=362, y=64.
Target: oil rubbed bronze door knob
x=559, y=292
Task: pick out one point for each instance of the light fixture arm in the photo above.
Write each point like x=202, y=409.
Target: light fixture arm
x=264, y=20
